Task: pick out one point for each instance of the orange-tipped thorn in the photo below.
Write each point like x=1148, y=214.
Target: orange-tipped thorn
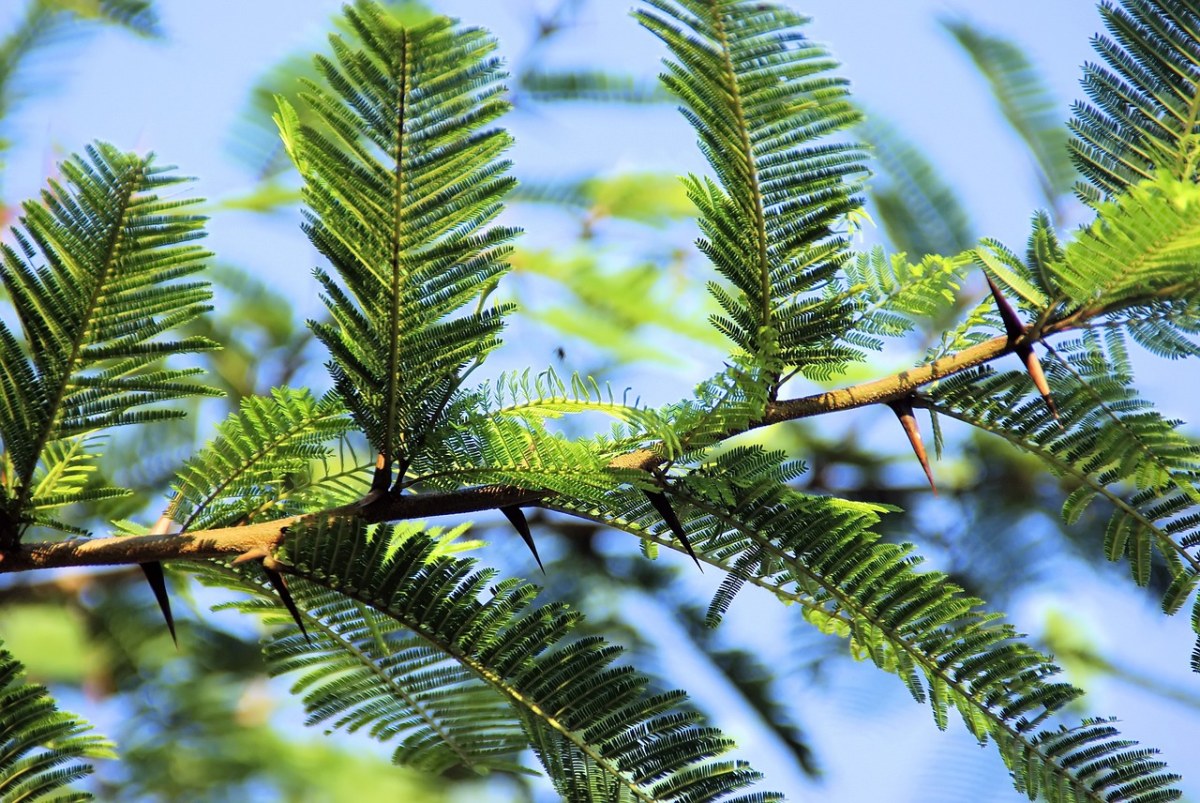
x=1034, y=366
x=904, y=411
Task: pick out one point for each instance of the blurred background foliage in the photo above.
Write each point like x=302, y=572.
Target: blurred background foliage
x=608, y=286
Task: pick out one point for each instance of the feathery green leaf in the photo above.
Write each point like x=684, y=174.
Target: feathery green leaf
x=93, y=277
x=415, y=644
x=402, y=181
x=1025, y=102
x=261, y=463
x=1145, y=104
x=821, y=553
x=760, y=98
x=919, y=210
x=41, y=748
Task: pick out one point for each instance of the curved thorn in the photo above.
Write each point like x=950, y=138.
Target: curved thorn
x=517, y=518
x=158, y=584
x=904, y=411
x=663, y=506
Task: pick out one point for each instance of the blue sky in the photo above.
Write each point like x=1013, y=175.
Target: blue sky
x=180, y=98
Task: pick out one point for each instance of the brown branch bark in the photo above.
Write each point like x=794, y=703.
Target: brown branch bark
x=233, y=541
x=890, y=388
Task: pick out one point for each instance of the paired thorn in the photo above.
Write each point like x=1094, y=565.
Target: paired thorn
x=517, y=518
x=1015, y=330
x=663, y=506
x=904, y=411
x=272, y=569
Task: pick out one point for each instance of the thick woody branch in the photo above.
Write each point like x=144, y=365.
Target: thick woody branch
x=234, y=541
x=223, y=542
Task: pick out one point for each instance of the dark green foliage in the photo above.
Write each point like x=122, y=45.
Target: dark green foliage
x=1131, y=269
x=589, y=86
x=402, y=181
x=820, y=552
x=41, y=748
x=93, y=277
x=1112, y=447
x=388, y=630
x=894, y=296
x=501, y=435
x=1153, y=228
x=1144, y=109
x=760, y=98
x=416, y=644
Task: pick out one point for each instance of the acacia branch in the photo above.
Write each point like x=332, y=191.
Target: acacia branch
x=239, y=540
x=267, y=536
x=890, y=388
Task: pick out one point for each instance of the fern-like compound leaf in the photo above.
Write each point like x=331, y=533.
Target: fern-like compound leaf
x=94, y=276
x=1145, y=97
x=402, y=181
x=415, y=644
x=1024, y=100
x=42, y=750
x=761, y=100
x=271, y=458
x=1112, y=445
x=892, y=294
x=1132, y=269
x=914, y=204
x=822, y=553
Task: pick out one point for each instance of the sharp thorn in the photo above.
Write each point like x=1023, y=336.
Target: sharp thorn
x=1034, y=366
x=1012, y=322
x=904, y=411
x=280, y=586
x=663, y=506
x=158, y=584
x=521, y=525
x=1015, y=329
